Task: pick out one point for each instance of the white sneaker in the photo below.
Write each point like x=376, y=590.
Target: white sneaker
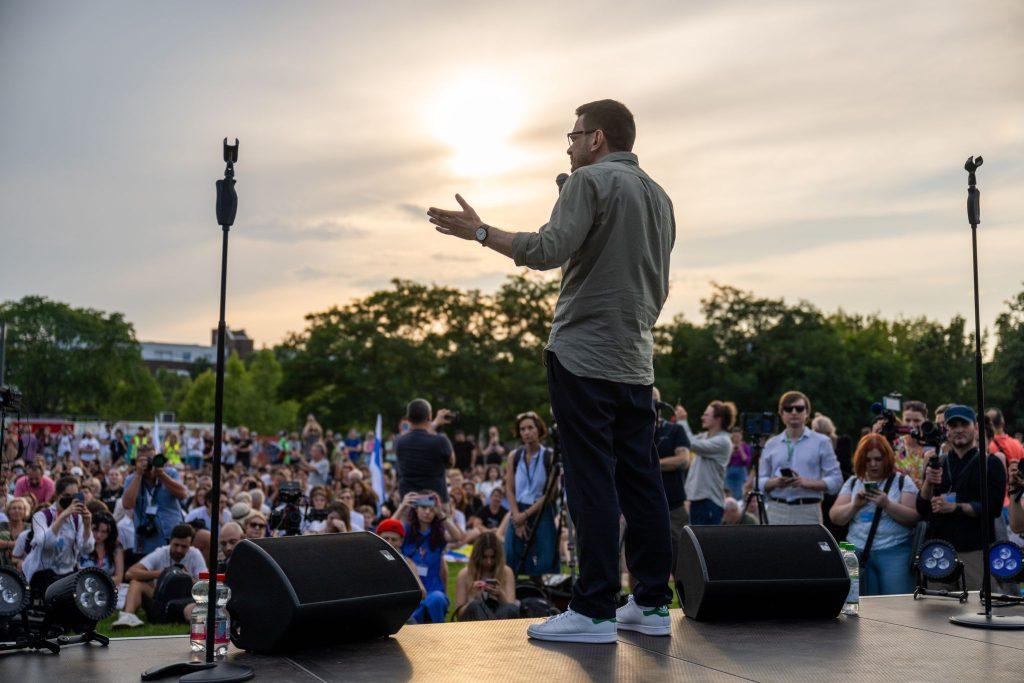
x=127, y=620
x=573, y=627
x=654, y=621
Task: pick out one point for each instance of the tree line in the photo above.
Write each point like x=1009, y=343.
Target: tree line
x=482, y=355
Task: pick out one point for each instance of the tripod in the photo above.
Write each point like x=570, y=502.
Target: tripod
x=755, y=493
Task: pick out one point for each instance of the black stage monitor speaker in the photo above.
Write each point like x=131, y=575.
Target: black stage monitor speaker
x=298, y=591
x=755, y=572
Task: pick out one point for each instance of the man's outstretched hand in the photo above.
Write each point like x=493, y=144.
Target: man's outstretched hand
x=458, y=223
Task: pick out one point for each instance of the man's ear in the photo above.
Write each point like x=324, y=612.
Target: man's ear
x=599, y=140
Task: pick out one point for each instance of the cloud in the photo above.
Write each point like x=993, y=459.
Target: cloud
x=291, y=231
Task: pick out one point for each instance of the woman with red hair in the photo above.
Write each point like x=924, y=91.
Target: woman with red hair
x=878, y=490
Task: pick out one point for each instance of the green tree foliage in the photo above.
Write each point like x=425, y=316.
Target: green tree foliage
x=474, y=353
x=250, y=395
x=1005, y=379
x=173, y=388
x=750, y=350
x=70, y=361
x=135, y=397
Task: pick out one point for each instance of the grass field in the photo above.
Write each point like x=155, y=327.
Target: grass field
x=181, y=629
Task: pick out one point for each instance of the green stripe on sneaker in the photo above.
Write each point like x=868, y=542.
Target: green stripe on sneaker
x=601, y=621
x=660, y=611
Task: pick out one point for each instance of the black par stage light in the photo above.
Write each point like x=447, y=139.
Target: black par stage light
x=78, y=602
x=14, y=595
x=938, y=561
x=1006, y=563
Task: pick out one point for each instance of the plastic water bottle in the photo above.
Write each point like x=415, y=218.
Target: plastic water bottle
x=197, y=623
x=852, y=606
x=221, y=637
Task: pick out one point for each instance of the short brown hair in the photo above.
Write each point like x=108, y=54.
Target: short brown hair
x=916, y=406
x=791, y=397
x=873, y=442
x=613, y=119
x=542, y=429
x=725, y=411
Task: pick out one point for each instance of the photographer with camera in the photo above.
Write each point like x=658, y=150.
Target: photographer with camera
x=797, y=466
x=950, y=499
x=427, y=529
x=423, y=456
x=60, y=535
x=153, y=493
x=151, y=588
x=712, y=448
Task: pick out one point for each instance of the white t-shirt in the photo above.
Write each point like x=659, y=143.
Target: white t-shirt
x=357, y=520
x=160, y=559
x=126, y=533
x=203, y=513
x=104, y=438
x=85, y=446
x=64, y=444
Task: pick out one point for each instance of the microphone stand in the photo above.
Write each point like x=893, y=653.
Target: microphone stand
x=985, y=619
x=211, y=670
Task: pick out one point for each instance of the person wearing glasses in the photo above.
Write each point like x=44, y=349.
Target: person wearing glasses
x=611, y=232
x=797, y=466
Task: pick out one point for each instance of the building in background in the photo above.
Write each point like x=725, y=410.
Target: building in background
x=181, y=358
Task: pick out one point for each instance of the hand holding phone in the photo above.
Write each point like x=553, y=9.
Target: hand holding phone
x=787, y=472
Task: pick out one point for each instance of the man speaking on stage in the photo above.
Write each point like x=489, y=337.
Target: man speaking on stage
x=612, y=230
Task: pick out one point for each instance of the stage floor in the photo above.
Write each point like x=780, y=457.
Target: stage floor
x=895, y=638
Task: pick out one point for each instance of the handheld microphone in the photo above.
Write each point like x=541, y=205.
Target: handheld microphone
x=560, y=181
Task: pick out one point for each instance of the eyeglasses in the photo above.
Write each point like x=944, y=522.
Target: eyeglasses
x=794, y=409
x=257, y=525
x=571, y=137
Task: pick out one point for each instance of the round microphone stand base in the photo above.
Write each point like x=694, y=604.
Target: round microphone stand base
x=221, y=672
x=993, y=622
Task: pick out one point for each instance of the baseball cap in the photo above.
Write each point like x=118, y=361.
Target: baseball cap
x=392, y=525
x=959, y=412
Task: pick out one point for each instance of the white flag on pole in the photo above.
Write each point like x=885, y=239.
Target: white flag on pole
x=377, y=466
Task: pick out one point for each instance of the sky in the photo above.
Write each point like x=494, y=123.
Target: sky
x=813, y=150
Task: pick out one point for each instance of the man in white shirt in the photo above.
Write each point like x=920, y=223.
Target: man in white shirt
x=798, y=467
x=88, y=447
x=144, y=574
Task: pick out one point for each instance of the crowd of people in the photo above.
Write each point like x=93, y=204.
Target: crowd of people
x=142, y=511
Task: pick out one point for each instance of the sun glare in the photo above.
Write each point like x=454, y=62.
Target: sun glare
x=475, y=117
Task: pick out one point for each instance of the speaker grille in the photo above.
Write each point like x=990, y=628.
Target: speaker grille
x=329, y=567
x=738, y=553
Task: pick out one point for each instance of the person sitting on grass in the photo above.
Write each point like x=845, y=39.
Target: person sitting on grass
x=486, y=587
x=426, y=527
x=144, y=574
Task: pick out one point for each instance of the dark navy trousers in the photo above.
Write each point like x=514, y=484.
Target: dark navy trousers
x=606, y=431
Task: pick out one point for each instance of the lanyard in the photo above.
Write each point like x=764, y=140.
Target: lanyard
x=529, y=474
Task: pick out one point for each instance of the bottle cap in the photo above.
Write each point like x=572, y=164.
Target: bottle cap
x=221, y=577
x=204, y=576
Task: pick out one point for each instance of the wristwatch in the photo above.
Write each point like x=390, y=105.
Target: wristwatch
x=481, y=234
